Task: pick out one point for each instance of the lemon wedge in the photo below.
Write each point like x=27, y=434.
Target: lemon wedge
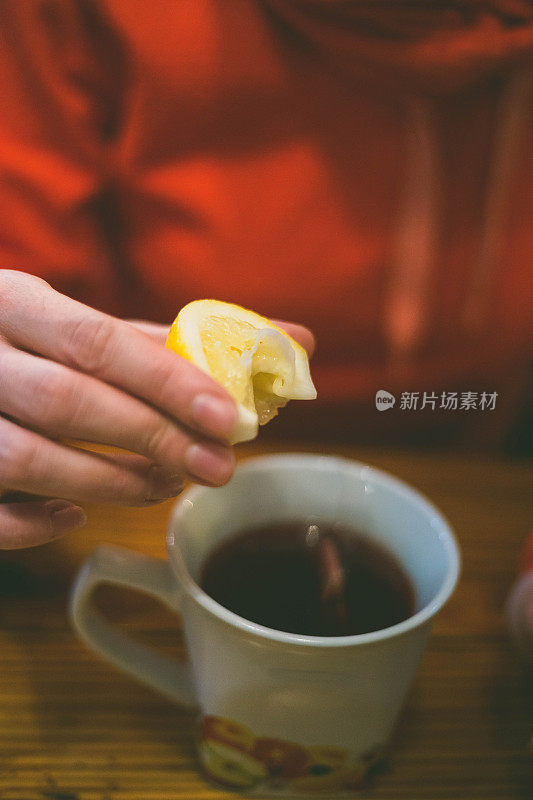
x=260, y=365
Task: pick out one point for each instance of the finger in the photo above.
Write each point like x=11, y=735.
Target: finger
x=113, y=351
x=200, y=462
x=31, y=463
x=31, y=524
x=62, y=403
x=302, y=334
x=153, y=329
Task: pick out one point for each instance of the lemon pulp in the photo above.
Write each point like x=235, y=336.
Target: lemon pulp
x=254, y=359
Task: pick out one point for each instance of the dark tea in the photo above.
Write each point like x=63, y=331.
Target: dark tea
x=314, y=579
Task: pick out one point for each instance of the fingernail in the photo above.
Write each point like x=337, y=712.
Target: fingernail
x=209, y=464
x=164, y=486
x=65, y=516
x=214, y=415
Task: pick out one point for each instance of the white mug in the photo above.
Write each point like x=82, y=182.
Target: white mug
x=281, y=713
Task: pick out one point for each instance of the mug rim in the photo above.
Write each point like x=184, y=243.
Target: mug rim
x=445, y=534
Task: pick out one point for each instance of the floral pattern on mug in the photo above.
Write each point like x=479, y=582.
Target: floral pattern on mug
x=231, y=754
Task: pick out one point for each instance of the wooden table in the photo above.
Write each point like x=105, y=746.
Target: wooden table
x=73, y=728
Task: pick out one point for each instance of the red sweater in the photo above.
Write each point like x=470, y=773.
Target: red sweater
x=365, y=168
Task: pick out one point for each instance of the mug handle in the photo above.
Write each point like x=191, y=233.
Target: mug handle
x=122, y=567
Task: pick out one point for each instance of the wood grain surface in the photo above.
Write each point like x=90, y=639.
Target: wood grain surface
x=73, y=728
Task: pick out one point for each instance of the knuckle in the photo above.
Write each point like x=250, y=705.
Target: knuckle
x=34, y=281
x=159, y=438
x=14, y=288
x=54, y=401
x=89, y=342
x=15, y=280
x=6, y=284
x=163, y=377
x=130, y=489
x=17, y=459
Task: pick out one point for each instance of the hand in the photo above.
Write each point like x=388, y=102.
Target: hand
x=70, y=372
